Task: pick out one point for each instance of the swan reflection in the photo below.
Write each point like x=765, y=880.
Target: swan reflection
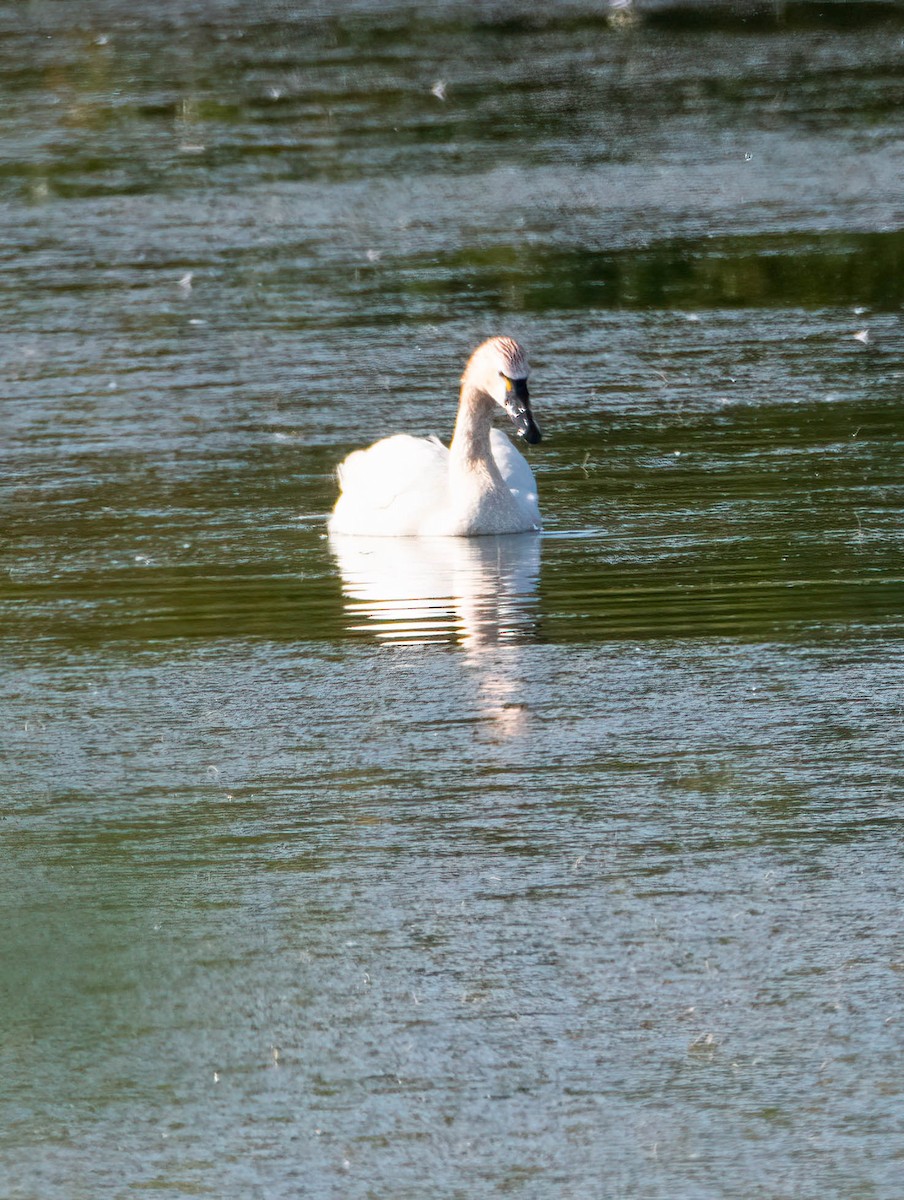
x=475, y=591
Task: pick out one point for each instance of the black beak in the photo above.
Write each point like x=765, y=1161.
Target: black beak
x=517, y=405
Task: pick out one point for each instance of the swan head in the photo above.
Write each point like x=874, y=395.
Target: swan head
x=499, y=369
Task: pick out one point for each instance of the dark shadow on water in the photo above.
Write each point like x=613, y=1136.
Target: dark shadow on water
x=793, y=270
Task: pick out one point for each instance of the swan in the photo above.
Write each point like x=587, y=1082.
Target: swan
x=404, y=486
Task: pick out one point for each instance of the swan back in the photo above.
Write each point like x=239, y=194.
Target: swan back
x=392, y=487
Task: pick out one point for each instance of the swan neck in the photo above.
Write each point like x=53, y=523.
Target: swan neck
x=471, y=440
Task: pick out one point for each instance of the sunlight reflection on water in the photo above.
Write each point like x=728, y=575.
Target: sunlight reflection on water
x=413, y=591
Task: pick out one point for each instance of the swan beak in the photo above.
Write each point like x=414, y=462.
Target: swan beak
x=517, y=405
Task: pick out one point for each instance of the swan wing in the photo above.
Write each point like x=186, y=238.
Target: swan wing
x=390, y=487
x=517, y=474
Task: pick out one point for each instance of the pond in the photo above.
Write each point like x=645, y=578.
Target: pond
x=555, y=865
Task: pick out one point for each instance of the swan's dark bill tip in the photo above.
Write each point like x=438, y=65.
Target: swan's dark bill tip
x=525, y=425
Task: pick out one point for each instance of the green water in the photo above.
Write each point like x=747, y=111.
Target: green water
x=550, y=867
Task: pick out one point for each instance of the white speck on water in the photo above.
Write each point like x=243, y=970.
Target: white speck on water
x=196, y=321
x=185, y=282
x=439, y=89
x=621, y=13
x=862, y=336
x=374, y=255
x=748, y=157
x=275, y=93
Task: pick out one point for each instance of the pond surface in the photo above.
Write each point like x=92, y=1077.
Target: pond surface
x=553, y=866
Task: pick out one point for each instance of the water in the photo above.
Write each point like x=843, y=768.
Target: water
x=548, y=867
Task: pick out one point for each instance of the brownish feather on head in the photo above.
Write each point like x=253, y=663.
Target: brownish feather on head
x=502, y=355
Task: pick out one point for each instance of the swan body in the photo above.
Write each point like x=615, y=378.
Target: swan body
x=404, y=486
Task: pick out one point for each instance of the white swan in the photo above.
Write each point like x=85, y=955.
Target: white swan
x=404, y=486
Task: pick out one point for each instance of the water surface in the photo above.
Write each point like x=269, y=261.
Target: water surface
x=555, y=866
